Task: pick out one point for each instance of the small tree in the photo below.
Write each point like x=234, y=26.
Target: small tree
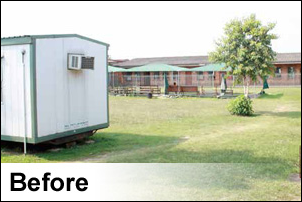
x=246, y=48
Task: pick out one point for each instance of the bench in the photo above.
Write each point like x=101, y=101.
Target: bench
x=116, y=90
x=209, y=91
x=144, y=90
x=111, y=90
x=229, y=92
x=121, y=90
x=130, y=91
x=173, y=89
x=183, y=89
x=203, y=92
x=189, y=89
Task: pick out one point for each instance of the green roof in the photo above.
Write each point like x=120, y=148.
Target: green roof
x=169, y=68
x=211, y=68
x=116, y=69
x=28, y=39
x=157, y=68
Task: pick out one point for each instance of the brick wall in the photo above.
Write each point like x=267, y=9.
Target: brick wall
x=284, y=68
x=193, y=78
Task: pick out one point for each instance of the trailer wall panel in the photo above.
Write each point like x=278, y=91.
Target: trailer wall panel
x=12, y=104
x=66, y=99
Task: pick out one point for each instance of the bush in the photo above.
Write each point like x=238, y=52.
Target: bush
x=241, y=106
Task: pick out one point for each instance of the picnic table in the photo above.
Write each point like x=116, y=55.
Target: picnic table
x=145, y=90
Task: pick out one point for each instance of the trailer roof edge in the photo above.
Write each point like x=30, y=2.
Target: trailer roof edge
x=28, y=39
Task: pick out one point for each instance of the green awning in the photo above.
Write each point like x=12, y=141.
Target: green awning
x=211, y=68
x=112, y=69
x=157, y=68
x=169, y=68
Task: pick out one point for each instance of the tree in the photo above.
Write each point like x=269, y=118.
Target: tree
x=246, y=48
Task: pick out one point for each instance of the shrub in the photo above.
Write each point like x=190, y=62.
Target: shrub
x=241, y=106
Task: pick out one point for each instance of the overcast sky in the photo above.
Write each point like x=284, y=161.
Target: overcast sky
x=150, y=29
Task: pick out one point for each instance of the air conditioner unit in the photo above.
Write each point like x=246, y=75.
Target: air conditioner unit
x=75, y=61
x=88, y=63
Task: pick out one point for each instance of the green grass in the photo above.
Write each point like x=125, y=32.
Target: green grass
x=192, y=130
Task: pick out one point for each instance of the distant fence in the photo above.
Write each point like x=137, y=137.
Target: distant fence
x=206, y=81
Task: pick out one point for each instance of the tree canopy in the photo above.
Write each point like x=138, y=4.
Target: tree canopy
x=246, y=48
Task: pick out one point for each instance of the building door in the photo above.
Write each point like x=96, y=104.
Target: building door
x=189, y=79
x=147, y=80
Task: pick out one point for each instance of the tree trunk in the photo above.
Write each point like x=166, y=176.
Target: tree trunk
x=247, y=88
x=244, y=89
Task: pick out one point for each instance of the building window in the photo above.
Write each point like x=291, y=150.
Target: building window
x=175, y=76
x=138, y=75
x=291, y=72
x=200, y=75
x=156, y=75
x=128, y=76
x=210, y=75
x=278, y=72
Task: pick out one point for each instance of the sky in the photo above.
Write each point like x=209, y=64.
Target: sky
x=150, y=29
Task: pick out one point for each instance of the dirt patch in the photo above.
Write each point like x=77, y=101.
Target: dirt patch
x=295, y=178
x=55, y=150
x=283, y=108
x=89, y=142
x=105, y=156
x=183, y=139
x=244, y=128
x=254, y=96
x=297, y=199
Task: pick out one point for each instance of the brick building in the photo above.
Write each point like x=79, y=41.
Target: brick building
x=288, y=70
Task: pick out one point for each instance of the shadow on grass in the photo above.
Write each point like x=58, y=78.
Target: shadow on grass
x=231, y=169
x=221, y=176
x=271, y=96
x=291, y=114
x=103, y=143
x=224, y=168
x=216, y=168
x=143, y=149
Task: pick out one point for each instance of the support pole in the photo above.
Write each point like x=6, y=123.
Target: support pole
x=178, y=83
x=113, y=78
x=24, y=88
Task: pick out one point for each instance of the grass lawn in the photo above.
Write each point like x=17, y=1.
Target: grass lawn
x=192, y=130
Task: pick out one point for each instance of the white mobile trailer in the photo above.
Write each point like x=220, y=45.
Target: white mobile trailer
x=52, y=87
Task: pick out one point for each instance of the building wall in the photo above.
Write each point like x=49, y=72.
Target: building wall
x=284, y=68
x=285, y=78
x=192, y=78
